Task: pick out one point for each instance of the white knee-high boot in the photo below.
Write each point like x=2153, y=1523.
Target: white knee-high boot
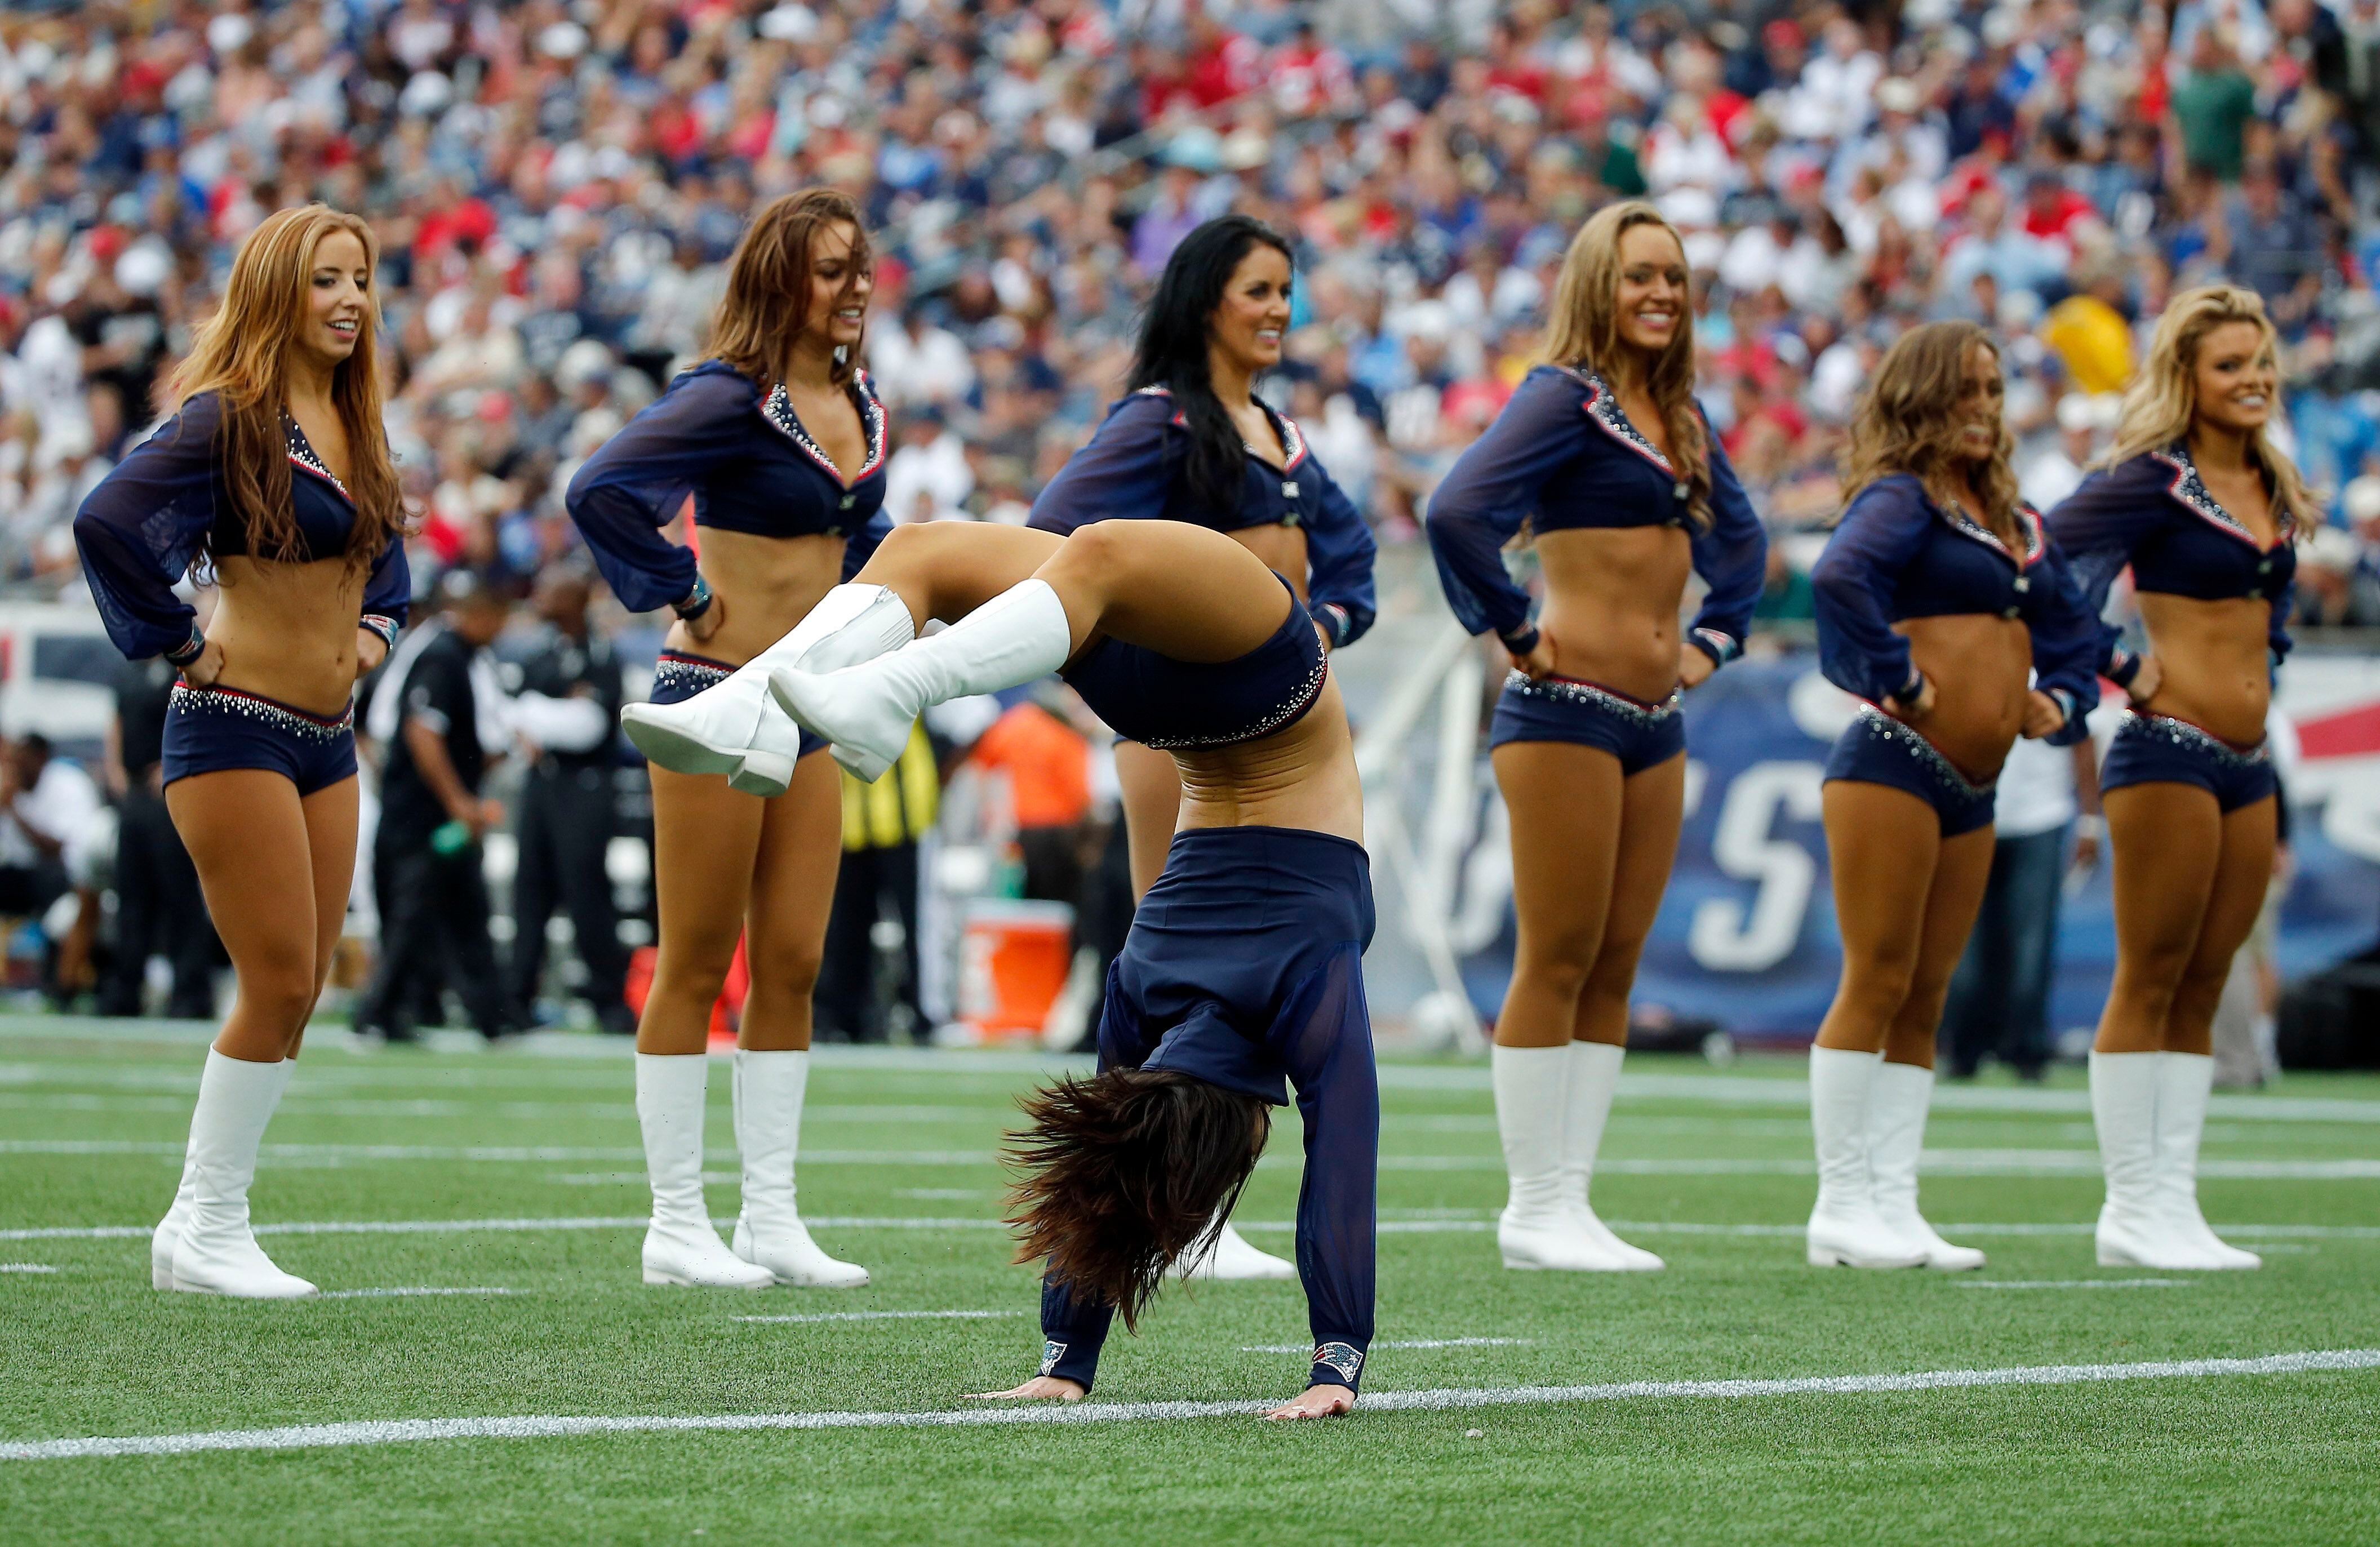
x=215, y=1253
x=1895, y=1134
x=2184, y=1081
x=1593, y=1078
x=1233, y=1258
x=866, y=710
x=769, y=1229
x=169, y=1229
x=1845, y=1229
x=733, y=728
x=680, y=1245
x=2134, y=1229
x=1536, y=1230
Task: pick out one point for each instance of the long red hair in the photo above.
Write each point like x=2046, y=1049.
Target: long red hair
x=242, y=355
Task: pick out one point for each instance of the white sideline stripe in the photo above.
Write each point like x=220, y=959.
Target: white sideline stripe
x=913, y=1222
x=2075, y=1284
x=1971, y=1163
x=407, y=1290
x=409, y=1431
x=26, y=1268
x=1401, y=1343
x=886, y=1316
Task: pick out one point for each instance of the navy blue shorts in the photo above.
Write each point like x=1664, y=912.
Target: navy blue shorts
x=1641, y=736
x=1177, y=704
x=2159, y=749
x=211, y=729
x=1245, y=968
x=678, y=676
x=1878, y=749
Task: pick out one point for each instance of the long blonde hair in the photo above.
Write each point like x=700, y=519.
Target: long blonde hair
x=1907, y=421
x=242, y=355
x=767, y=302
x=1584, y=330
x=2163, y=401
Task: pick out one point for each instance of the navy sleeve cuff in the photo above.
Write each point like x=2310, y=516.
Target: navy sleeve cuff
x=1720, y=647
x=1337, y=1364
x=1069, y=1361
x=189, y=650
x=1522, y=640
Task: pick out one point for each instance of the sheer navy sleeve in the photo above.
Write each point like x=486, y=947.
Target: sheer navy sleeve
x=139, y=531
x=2096, y=528
x=634, y=486
x=388, y=595
x=1853, y=588
x=1732, y=559
x=1338, y=553
x=1125, y=470
x=2066, y=642
x=1493, y=486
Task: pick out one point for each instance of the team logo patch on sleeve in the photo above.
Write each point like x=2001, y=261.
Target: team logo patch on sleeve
x=1051, y=1352
x=1342, y=1359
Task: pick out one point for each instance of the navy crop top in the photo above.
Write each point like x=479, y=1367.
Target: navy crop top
x=1561, y=455
x=750, y=467
x=1131, y=467
x=1898, y=555
x=167, y=505
x=2154, y=513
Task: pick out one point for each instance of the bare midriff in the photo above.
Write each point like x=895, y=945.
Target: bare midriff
x=1980, y=667
x=1303, y=776
x=2215, y=659
x=1611, y=605
x=767, y=584
x=1282, y=548
x=289, y=630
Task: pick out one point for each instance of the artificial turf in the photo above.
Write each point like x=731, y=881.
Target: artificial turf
x=1708, y=1168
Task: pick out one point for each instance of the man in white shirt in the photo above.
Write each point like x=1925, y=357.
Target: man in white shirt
x=1999, y=997
x=48, y=809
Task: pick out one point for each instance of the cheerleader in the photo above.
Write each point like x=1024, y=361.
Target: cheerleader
x=1193, y=442
x=781, y=443
x=275, y=472
x=2194, y=498
x=1943, y=608
x=1603, y=453
x=1243, y=974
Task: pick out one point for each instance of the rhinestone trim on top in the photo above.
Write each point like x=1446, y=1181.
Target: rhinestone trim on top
x=1293, y=439
x=2027, y=520
x=1298, y=703
x=2190, y=739
x=2192, y=491
x=1885, y=728
x=1570, y=690
x=301, y=453
x=691, y=673
x=778, y=409
x=1603, y=407
x=264, y=711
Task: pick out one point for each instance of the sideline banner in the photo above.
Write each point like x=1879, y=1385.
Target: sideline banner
x=1746, y=934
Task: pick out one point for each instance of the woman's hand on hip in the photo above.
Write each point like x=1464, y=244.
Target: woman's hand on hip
x=207, y=669
x=2044, y=716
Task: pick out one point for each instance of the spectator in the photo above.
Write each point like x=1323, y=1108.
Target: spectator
x=159, y=911
x=2213, y=105
x=876, y=888
x=47, y=808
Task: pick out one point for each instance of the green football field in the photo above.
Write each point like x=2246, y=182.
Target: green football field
x=475, y=1218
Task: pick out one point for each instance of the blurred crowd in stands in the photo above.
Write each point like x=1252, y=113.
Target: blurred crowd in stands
x=557, y=185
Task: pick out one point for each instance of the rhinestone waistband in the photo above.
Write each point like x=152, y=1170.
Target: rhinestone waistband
x=1883, y=725
x=692, y=673
x=1297, y=703
x=2182, y=733
x=1570, y=690
x=282, y=717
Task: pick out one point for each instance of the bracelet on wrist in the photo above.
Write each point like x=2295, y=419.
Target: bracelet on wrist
x=695, y=602
x=1521, y=641
x=1911, y=690
x=189, y=650
x=2123, y=669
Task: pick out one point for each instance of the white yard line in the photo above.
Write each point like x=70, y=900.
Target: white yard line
x=407, y=1291
x=2075, y=1283
x=1399, y=1343
x=888, y=1316
x=26, y=1268
x=407, y=1431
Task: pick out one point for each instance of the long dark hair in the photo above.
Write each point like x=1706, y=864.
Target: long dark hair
x=1173, y=345
x=1123, y=1172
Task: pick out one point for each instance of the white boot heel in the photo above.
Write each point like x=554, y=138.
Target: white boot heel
x=765, y=774
x=770, y=1234
x=680, y=1246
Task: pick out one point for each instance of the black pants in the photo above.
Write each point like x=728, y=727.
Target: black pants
x=567, y=824
x=437, y=923
x=872, y=884
x=159, y=912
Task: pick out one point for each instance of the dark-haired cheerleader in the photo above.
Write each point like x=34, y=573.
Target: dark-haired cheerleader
x=1243, y=975
x=1193, y=442
x=277, y=471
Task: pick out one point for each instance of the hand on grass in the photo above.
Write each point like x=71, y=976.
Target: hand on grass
x=1317, y=1402
x=1041, y=1388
